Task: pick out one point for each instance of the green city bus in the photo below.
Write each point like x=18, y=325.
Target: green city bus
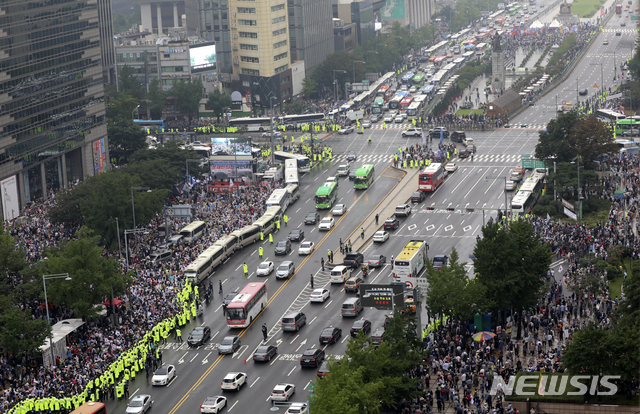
x=417, y=80
x=626, y=124
x=326, y=195
x=364, y=177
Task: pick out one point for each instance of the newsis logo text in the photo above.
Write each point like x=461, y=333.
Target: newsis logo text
x=528, y=385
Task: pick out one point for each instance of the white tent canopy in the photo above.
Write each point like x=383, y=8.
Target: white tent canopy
x=536, y=25
x=555, y=24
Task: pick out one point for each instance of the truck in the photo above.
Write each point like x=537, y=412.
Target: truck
x=353, y=115
x=274, y=174
x=353, y=259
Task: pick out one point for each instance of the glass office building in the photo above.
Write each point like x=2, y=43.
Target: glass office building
x=52, y=120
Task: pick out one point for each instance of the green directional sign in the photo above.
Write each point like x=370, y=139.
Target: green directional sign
x=634, y=17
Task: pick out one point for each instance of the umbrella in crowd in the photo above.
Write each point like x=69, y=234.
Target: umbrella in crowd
x=619, y=194
x=483, y=336
x=625, y=214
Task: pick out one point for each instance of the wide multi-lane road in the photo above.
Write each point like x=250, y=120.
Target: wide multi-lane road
x=477, y=185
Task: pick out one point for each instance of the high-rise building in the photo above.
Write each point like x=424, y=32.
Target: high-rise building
x=214, y=26
x=160, y=16
x=105, y=23
x=52, y=120
x=260, y=51
x=410, y=13
x=310, y=31
x=360, y=14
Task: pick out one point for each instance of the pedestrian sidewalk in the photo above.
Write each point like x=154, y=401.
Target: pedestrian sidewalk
x=386, y=208
x=480, y=82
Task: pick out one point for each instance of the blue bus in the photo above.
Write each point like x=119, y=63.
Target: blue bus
x=150, y=125
x=406, y=79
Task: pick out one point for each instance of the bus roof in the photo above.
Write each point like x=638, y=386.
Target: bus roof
x=364, y=170
x=90, y=407
x=193, y=225
x=432, y=168
x=246, y=294
x=326, y=188
x=410, y=249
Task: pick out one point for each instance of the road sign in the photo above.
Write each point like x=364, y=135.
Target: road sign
x=532, y=163
x=381, y=297
x=595, y=85
x=564, y=102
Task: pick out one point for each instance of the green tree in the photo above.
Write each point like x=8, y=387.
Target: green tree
x=93, y=276
x=553, y=142
x=125, y=138
x=218, y=101
x=451, y=293
x=188, y=95
x=12, y=260
x=512, y=264
x=295, y=107
x=121, y=106
x=21, y=334
x=590, y=139
x=309, y=87
x=129, y=83
x=157, y=99
x=171, y=154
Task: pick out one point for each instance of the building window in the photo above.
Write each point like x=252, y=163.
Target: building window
x=249, y=59
x=277, y=7
x=278, y=19
x=347, y=32
x=167, y=56
x=279, y=44
x=249, y=35
x=243, y=22
x=280, y=56
x=246, y=84
x=282, y=68
x=245, y=46
x=250, y=72
x=246, y=10
x=279, y=32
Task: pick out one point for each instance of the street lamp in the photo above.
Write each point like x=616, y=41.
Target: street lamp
x=134, y=110
x=576, y=160
x=601, y=75
x=187, y=165
x=504, y=190
x=273, y=161
x=354, y=68
x=133, y=204
x=335, y=85
x=46, y=304
x=126, y=243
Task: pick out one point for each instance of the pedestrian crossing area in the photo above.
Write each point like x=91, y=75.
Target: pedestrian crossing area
x=390, y=125
x=528, y=126
x=628, y=31
x=376, y=158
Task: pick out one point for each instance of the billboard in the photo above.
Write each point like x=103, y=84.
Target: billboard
x=381, y=297
x=10, y=205
x=230, y=146
x=99, y=157
x=221, y=170
x=393, y=9
x=202, y=57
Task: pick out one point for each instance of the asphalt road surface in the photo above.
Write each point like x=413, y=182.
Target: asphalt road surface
x=477, y=185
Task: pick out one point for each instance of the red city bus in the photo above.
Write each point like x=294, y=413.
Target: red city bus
x=431, y=177
x=91, y=408
x=382, y=91
x=247, y=305
x=404, y=104
x=619, y=9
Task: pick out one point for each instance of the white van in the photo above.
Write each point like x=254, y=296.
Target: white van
x=340, y=273
x=343, y=170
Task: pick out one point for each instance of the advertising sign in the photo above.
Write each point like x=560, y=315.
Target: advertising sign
x=230, y=169
x=381, y=297
x=393, y=9
x=570, y=214
x=99, y=158
x=10, y=205
x=230, y=146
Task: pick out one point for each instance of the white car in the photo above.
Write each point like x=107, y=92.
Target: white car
x=276, y=134
x=234, y=381
x=451, y=167
x=339, y=209
x=346, y=130
x=163, y=375
x=326, y=223
x=306, y=247
x=319, y=295
x=139, y=404
x=366, y=124
x=398, y=119
x=213, y=404
x=297, y=408
x=510, y=185
x=380, y=236
x=282, y=392
x=412, y=89
x=265, y=268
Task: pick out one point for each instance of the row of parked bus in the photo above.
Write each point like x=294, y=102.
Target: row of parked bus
x=204, y=265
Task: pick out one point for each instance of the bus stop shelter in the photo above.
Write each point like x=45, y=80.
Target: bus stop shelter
x=58, y=337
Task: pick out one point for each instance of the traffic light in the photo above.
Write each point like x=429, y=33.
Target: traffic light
x=451, y=209
x=470, y=210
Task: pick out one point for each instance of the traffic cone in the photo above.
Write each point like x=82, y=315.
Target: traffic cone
x=245, y=360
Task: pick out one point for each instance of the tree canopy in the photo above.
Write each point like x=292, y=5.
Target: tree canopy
x=187, y=95
x=217, y=102
x=452, y=293
x=370, y=379
x=125, y=138
x=156, y=99
x=512, y=264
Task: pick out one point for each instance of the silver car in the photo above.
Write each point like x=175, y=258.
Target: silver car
x=366, y=124
x=229, y=345
x=139, y=404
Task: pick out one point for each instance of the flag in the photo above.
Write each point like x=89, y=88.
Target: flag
x=231, y=182
x=548, y=217
x=542, y=385
x=441, y=136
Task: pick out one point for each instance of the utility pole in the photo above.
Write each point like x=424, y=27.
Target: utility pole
x=271, y=98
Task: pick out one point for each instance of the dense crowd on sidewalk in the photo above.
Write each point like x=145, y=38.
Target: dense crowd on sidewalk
x=151, y=299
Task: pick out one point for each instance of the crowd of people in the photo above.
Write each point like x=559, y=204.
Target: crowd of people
x=152, y=298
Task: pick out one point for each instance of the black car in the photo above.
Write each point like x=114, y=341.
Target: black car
x=199, y=336
x=351, y=156
x=376, y=337
x=457, y=136
x=362, y=325
x=377, y=260
x=352, y=175
x=312, y=218
x=435, y=132
x=330, y=335
x=283, y=247
x=227, y=299
x=464, y=153
x=312, y=358
x=265, y=353
x=391, y=223
x=417, y=196
x=296, y=235
x=584, y=92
